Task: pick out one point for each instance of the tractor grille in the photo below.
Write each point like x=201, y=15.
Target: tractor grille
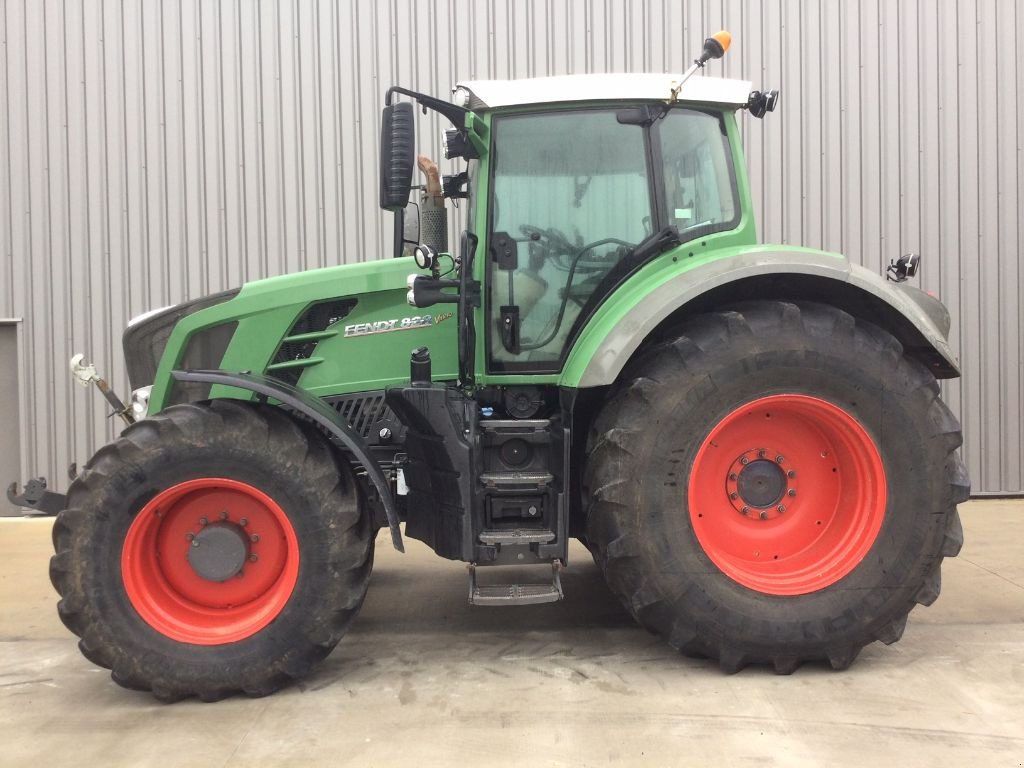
x=296, y=352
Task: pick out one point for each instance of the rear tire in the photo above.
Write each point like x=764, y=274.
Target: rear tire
x=712, y=537
x=293, y=552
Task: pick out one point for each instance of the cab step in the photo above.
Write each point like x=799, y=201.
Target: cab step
x=516, y=594
x=517, y=536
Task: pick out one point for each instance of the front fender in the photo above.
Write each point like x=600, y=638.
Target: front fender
x=641, y=305
x=319, y=412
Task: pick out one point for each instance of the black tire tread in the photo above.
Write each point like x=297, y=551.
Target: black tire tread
x=610, y=534
x=274, y=431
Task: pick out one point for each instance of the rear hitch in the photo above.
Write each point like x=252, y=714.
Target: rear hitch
x=36, y=497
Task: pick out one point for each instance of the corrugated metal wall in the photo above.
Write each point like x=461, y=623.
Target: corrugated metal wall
x=153, y=151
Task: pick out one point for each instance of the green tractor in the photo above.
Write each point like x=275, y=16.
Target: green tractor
x=749, y=439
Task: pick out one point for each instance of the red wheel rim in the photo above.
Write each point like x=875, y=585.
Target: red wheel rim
x=787, y=494
x=166, y=589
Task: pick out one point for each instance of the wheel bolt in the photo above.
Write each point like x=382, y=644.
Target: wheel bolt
x=791, y=474
x=243, y=522
x=778, y=459
x=745, y=510
x=792, y=491
x=253, y=557
x=254, y=538
x=224, y=514
x=763, y=515
x=761, y=453
x=733, y=477
x=189, y=536
x=203, y=521
x=744, y=460
x=734, y=495
x=781, y=507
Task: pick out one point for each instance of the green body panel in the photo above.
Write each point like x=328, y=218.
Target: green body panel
x=266, y=309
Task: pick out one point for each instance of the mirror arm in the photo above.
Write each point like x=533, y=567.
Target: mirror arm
x=455, y=113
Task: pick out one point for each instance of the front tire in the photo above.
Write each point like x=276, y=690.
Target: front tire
x=213, y=548
x=777, y=484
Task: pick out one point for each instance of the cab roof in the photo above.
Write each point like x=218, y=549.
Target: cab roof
x=492, y=94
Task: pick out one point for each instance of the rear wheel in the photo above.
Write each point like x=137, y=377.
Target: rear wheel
x=211, y=549
x=777, y=484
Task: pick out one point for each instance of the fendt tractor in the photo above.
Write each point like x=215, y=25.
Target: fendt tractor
x=749, y=439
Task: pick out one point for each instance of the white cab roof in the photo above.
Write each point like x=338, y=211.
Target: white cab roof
x=490, y=94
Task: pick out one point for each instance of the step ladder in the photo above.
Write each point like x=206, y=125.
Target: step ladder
x=516, y=594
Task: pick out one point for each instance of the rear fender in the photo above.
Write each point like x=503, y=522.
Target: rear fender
x=621, y=326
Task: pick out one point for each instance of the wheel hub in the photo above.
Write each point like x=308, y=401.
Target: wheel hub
x=810, y=496
x=760, y=485
x=199, y=573
x=219, y=551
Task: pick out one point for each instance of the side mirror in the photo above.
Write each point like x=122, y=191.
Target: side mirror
x=397, y=155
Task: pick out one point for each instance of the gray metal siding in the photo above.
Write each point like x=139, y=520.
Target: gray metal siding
x=154, y=151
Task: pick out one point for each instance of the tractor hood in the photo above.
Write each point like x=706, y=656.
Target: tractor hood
x=330, y=331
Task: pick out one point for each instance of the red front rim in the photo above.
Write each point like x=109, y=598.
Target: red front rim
x=787, y=494
x=165, y=587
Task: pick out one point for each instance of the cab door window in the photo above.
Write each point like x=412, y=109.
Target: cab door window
x=571, y=197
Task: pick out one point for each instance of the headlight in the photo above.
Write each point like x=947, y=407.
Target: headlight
x=139, y=404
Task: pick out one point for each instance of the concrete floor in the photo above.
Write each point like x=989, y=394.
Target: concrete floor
x=425, y=679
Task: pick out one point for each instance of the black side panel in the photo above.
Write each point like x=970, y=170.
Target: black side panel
x=441, y=432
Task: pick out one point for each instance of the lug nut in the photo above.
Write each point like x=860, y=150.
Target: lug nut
x=745, y=510
x=733, y=477
x=792, y=491
x=778, y=459
x=734, y=495
x=224, y=514
x=195, y=543
x=254, y=538
x=761, y=453
x=744, y=460
x=189, y=536
x=763, y=515
x=781, y=507
x=243, y=522
x=203, y=521
x=791, y=474
x=253, y=557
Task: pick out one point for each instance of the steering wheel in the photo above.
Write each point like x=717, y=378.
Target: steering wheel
x=551, y=243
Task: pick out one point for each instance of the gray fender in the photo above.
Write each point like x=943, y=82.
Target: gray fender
x=927, y=315
x=321, y=413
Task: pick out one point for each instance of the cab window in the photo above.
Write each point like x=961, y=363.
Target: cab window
x=571, y=197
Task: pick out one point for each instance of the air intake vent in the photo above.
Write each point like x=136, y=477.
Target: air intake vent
x=367, y=414
x=313, y=326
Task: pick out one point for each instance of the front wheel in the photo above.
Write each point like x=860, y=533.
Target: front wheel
x=211, y=549
x=777, y=484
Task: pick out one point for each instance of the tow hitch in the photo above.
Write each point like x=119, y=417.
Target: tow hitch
x=36, y=497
